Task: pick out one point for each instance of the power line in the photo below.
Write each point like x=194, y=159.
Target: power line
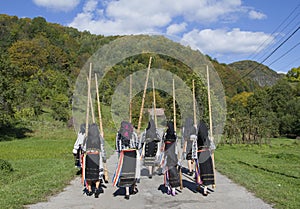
x=293, y=61
x=264, y=59
x=276, y=31
x=285, y=54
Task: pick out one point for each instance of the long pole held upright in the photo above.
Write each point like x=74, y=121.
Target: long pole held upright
x=88, y=101
x=174, y=105
x=174, y=118
x=210, y=124
x=144, y=95
x=100, y=125
x=91, y=103
x=99, y=107
x=194, y=104
x=130, y=98
x=154, y=103
x=209, y=104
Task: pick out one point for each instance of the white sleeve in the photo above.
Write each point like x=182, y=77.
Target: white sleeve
x=79, y=141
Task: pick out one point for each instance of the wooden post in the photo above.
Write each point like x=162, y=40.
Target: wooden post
x=174, y=105
x=100, y=125
x=130, y=98
x=174, y=118
x=91, y=103
x=144, y=94
x=154, y=103
x=87, y=119
x=88, y=102
x=194, y=104
x=99, y=107
x=210, y=124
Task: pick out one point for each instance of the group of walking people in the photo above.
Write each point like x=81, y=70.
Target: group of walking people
x=158, y=153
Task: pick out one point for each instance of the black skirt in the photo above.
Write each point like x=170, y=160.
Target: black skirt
x=92, y=166
x=150, y=153
x=173, y=177
x=206, y=168
x=127, y=176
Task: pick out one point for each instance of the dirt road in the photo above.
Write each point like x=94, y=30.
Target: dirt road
x=151, y=195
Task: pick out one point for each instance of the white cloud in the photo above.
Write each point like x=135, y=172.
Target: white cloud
x=139, y=16
x=176, y=28
x=90, y=6
x=58, y=5
x=256, y=15
x=123, y=17
x=224, y=42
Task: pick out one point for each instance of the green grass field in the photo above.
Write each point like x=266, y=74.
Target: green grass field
x=42, y=165
x=271, y=172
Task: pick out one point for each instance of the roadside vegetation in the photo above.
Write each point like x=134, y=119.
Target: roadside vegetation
x=36, y=166
x=270, y=171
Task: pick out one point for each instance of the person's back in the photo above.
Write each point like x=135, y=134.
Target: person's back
x=93, y=141
x=125, y=136
x=170, y=150
x=202, y=135
x=128, y=170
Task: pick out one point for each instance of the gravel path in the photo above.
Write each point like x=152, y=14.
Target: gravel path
x=226, y=195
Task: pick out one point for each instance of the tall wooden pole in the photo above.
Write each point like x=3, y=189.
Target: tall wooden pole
x=154, y=103
x=99, y=107
x=87, y=117
x=210, y=124
x=144, y=94
x=101, y=126
x=88, y=102
x=194, y=104
x=91, y=104
x=174, y=105
x=130, y=98
x=174, y=118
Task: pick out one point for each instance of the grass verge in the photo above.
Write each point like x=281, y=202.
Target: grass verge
x=41, y=165
x=271, y=172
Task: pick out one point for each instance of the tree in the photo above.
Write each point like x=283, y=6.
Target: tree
x=293, y=75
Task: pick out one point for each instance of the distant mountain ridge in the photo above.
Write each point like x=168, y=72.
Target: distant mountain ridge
x=261, y=74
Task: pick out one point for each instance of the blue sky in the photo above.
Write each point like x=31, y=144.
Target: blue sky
x=227, y=30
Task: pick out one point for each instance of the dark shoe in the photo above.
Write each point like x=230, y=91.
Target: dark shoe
x=89, y=193
x=98, y=191
x=150, y=177
x=135, y=191
x=127, y=197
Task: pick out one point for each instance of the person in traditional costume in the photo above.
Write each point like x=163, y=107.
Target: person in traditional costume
x=128, y=167
x=150, y=144
x=170, y=160
x=204, y=170
x=77, y=149
x=94, y=157
x=190, y=140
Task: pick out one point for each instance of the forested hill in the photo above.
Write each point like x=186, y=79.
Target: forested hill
x=259, y=73
x=31, y=44
x=40, y=61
